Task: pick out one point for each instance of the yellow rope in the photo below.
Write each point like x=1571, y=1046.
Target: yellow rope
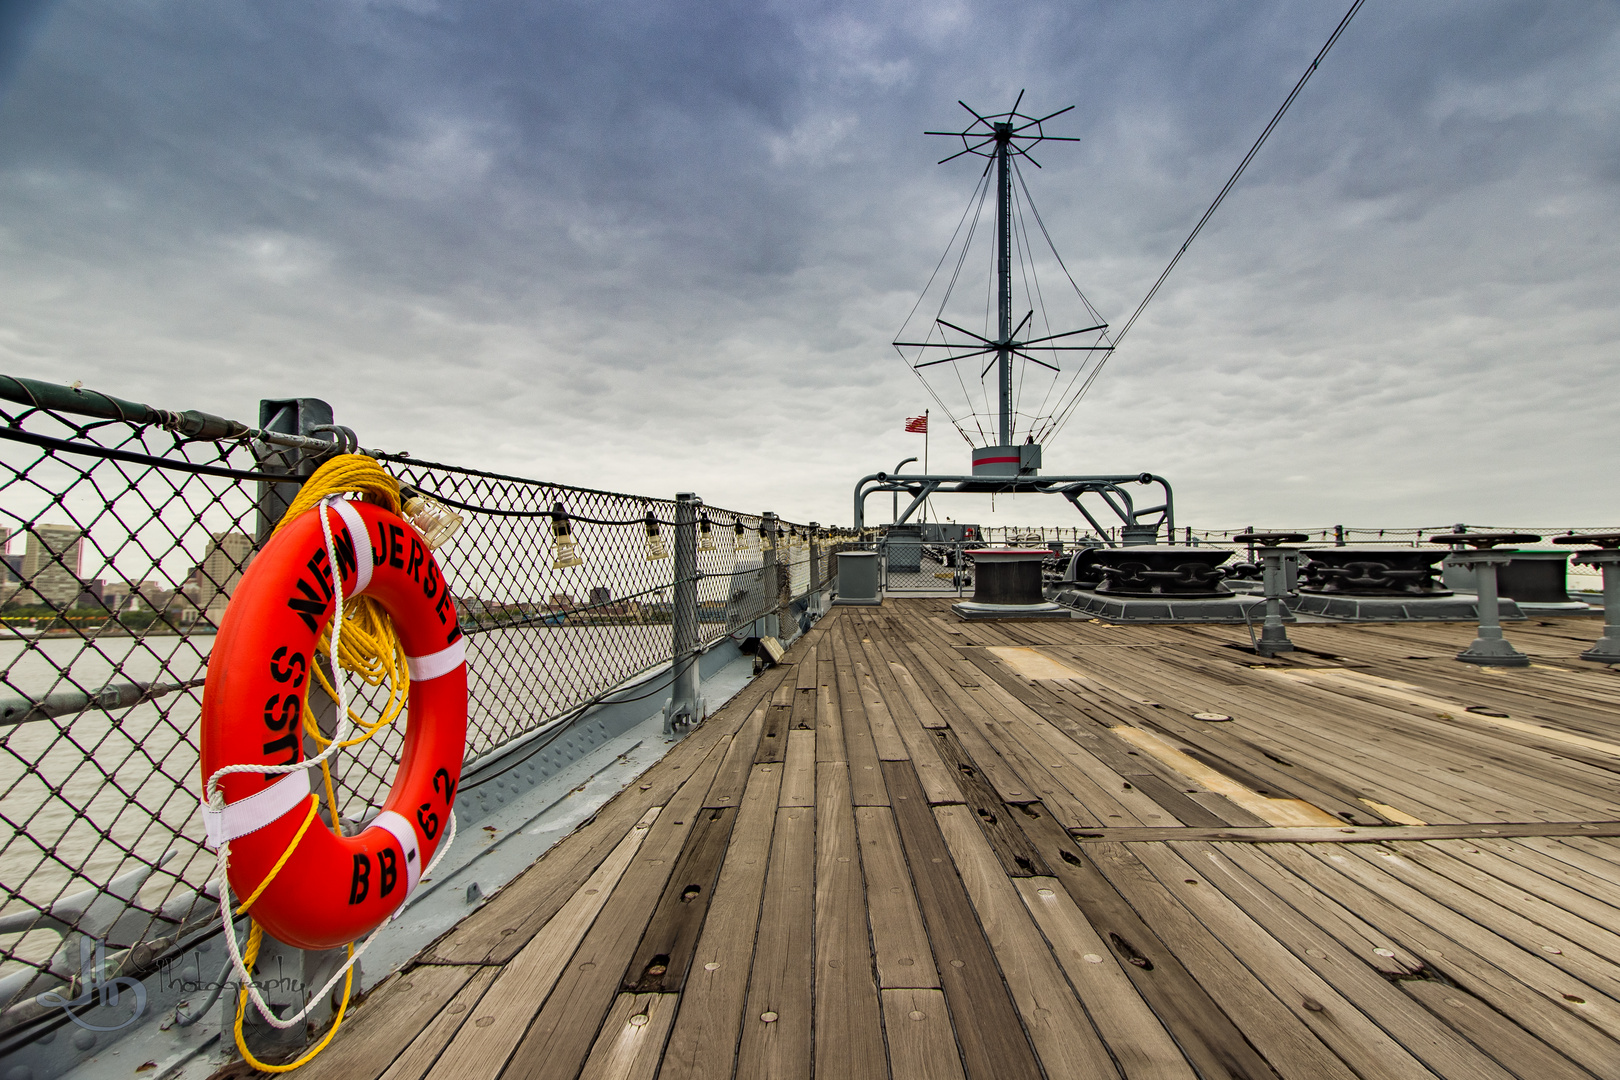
x=255, y=937
x=314, y=805
x=248, y=959
x=370, y=649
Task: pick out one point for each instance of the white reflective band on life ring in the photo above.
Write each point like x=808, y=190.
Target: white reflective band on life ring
x=253, y=813
x=406, y=835
x=442, y=662
x=362, y=543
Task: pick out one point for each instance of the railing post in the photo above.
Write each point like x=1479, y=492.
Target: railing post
x=291, y=973
x=769, y=563
x=815, y=559
x=685, y=705
x=287, y=977
x=288, y=416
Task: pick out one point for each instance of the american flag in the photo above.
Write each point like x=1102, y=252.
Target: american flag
x=917, y=424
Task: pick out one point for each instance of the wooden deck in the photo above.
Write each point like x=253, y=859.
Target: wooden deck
x=925, y=848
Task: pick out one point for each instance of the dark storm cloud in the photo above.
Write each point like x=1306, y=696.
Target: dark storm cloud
x=663, y=246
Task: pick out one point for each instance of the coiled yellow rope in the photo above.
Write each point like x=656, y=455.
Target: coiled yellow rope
x=249, y=956
x=370, y=649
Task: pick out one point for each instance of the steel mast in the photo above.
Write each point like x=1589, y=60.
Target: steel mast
x=1004, y=133
x=998, y=137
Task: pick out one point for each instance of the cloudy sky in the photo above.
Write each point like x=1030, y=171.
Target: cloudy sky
x=655, y=247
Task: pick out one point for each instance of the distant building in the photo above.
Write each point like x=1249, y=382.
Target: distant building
x=560, y=601
x=119, y=596
x=601, y=596
x=211, y=584
x=52, y=565
x=90, y=596
x=153, y=595
x=475, y=607
x=125, y=597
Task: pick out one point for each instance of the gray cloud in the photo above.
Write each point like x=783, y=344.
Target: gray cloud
x=661, y=246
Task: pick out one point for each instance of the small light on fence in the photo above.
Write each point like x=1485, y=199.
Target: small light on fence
x=767, y=542
x=430, y=517
x=655, y=540
x=744, y=543
x=705, y=534
x=562, y=535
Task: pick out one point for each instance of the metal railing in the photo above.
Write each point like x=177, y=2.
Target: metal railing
x=913, y=566
x=1580, y=578
x=134, y=525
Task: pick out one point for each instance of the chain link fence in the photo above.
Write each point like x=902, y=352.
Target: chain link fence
x=124, y=530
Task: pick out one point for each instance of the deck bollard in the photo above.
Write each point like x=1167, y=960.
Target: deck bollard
x=685, y=705
x=1606, y=557
x=1490, y=648
x=1274, y=559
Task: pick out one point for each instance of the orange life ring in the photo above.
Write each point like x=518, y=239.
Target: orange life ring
x=332, y=890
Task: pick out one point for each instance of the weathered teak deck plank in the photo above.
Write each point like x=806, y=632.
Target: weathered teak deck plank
x=924, y=848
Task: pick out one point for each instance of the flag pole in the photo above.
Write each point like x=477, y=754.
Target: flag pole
x=925, y=463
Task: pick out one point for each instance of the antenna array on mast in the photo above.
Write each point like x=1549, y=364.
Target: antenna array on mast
x=1003, y=139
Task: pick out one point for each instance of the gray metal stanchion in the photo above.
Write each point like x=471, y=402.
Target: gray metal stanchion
x=1606, y=557
x=1274, y=560
x=1490, y=648
x=685, y=705
x=1273, y=637
x=1607, y=649
x=287, y=977
x=773, y=589
x=812, y=536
